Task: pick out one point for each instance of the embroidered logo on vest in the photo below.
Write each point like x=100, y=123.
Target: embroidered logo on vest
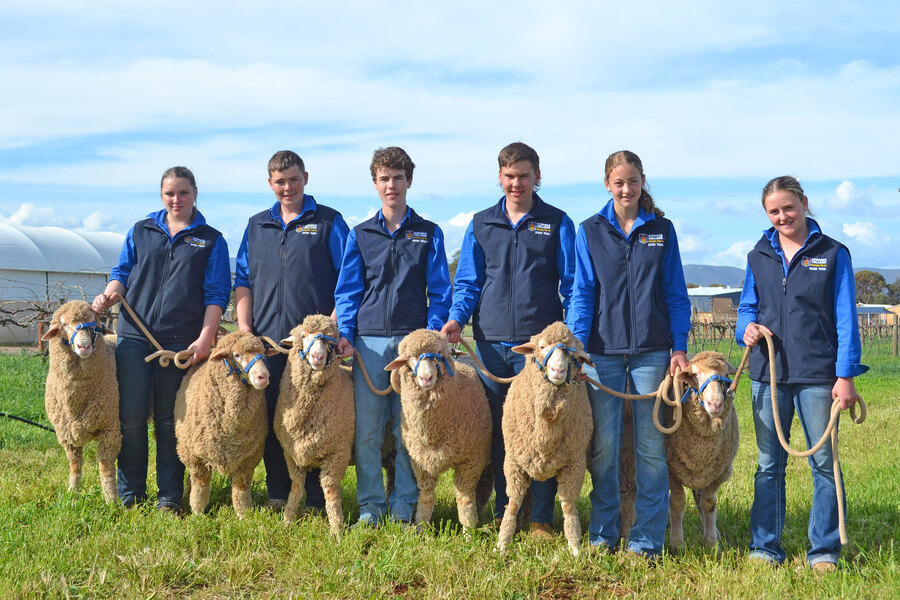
x=815, y=263
x=420, y=237
x=540, y=228
x=196, y=242
x=652, y=239
x=309, y=229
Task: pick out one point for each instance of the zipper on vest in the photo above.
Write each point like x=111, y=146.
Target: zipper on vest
x=510, y=316
x=170, y=256
x=630, y=291
x=388, y=329
x=282, y=270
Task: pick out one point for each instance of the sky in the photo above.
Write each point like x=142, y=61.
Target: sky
x=97, y=99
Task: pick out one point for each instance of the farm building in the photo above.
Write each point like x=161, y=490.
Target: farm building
x=43, y=266
x=714, y=300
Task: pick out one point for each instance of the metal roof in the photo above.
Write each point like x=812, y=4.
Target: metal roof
x=57, y=249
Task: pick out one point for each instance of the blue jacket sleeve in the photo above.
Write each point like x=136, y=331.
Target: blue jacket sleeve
x=469, y=278
x=242, y=264
x=565, y=261
x=217, y=277
x=437, y=278
x=580, y=315
x=675, y=293
x=127, y=258
x=348, y=292
x=849, y=350
x=337, y=241
x=748, y=309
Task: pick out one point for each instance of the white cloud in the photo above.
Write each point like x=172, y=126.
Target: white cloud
x=353, y=221
x=462, y=219
x=734, y=256
x=30, y=215
x=98, y=221
x=864, y=232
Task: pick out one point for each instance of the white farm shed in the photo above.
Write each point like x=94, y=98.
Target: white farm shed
x=43, y=266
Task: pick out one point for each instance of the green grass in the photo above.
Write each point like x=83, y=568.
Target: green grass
x=61, y=545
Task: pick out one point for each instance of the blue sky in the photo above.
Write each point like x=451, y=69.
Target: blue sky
x=99, y=98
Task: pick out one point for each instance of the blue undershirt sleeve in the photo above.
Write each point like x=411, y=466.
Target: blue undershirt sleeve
x=217, y=276
x=849, y=350
x=580, y=315
x=127, y=258
x=748, y=309
x=469, y=279
x=242, y=263
x=565, y=261
x=437, y=278
x=675, y=293
x=349, y=289
x=337, y=241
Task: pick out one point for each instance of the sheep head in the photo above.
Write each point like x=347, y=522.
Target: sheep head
x=75, y=324
x=243, y=352
x=555, y=351
x=315, y=340
x=425, y=352
x=702, y=367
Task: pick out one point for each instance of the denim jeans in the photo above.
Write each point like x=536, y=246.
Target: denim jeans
x=644, y=372
x=372, y=415
x=144, y=385
x=813, y=406
x=501, y=361
x=278, y=480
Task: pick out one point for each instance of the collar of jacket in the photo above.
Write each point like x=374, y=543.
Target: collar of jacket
x=306, y=211
x=159, y=219
x=497, y=213
x=374, y=224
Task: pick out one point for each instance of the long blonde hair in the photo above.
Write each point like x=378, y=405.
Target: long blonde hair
x=626, y=157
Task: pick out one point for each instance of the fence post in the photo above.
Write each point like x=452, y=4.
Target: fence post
x=896, y=329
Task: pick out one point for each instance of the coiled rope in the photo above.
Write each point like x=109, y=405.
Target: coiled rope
x=831, y=430
x=182, y=359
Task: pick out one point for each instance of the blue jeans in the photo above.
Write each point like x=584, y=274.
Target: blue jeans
x=813, y=406
x=501, y=361
x=144, y=385
x=651, y=506
x=372, y=415
x=278, y=480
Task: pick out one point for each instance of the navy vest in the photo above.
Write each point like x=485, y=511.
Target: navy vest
x=165, y=286
x=799, y=310
x=520, y=296
x=395, y=300
x=630, y=311
x=291, y=271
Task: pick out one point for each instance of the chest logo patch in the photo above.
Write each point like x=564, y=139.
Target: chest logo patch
x=309, y=229
x=420, y=237
x=196, y=242
x=540, y=228
x=814, y=263
x=652, y=239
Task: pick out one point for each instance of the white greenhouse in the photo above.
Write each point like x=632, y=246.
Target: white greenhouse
x=43, y=266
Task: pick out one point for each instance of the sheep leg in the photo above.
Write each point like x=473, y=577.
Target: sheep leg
x=298, y=480
x=200, y=482
x=676, y=514
x=330, y=477
x=517, y=483
x=465, y=480
x=706, y=500
x=240, y=492
x=570, y=481
x=108, y=448
x=76, y=460
x=425, y=506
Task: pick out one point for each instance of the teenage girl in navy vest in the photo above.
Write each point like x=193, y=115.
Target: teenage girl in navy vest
x=175, y=272
x=631, y=310
x=799, y=288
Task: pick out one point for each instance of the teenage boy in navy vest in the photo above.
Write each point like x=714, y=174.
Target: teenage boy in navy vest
x=393, y=280
x=517, y=259
x=286, y=268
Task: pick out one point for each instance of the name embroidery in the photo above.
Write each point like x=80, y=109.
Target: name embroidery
x=196, y=242
x=815, y=264
x=652, y=239
x=309, y=229
x=419, y=237
x=540, y=228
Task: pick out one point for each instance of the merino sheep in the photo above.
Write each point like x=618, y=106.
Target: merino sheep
x=700, y=453
x=82, y=396
x=446, y=421
x=547, y=427
x=220, y=419
x=315, y=418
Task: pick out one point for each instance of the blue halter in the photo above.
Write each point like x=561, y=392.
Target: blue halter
x=330, y=342
x=542, y=365
x=92, y=326
x=242, y=373
x=433, y=357
x=722, y=379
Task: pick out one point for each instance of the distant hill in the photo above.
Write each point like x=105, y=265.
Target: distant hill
x=704, y=275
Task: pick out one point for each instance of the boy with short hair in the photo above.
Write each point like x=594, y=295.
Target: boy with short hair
x=286, y=268
x=393, y=280
x=517, y=259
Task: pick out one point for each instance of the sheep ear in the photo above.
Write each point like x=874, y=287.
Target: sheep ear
x=288, y=341
x=396, y=363
x=271, y=352
x=526, y=348
x=218, y=353
x=52, y=332
x=584, y=358
x=395, y=381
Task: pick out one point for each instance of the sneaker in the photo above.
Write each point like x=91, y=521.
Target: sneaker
x=541, y=531
x=275, y=506
x=824, y=567
x=365, y=521
x=172, y=509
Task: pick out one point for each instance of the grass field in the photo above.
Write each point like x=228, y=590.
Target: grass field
x=61, y=545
